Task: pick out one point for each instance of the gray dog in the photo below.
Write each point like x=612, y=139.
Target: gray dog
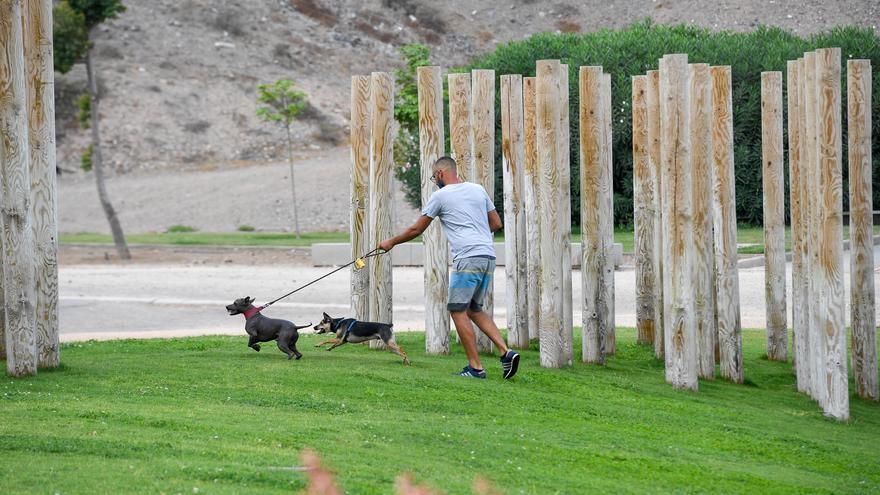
x=263, y=329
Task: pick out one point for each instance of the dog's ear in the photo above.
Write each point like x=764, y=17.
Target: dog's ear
x=327, y=317
x=249, y=299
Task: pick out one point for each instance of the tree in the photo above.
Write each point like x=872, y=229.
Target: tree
x=74, y=25
x=406, y=113
x=282, y=105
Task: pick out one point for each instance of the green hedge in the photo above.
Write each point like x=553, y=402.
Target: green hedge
x=635, y=50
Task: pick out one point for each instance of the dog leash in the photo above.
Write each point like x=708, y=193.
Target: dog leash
x=357, y=262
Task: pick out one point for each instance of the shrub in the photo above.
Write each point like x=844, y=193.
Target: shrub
x=179, y=229
x=635, y=50
x=246, y=228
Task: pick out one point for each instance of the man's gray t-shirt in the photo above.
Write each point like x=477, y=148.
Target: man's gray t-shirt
x=462, y=209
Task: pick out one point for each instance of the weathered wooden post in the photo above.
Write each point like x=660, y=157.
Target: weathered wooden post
x=513, y=163
x=798, y=287
x=18, y=248
x=774, y=214
x=593, y=180
x=382, y=134
x=653, y=115
x=565, y=198
x=704, y=245
x=678, y=255
x=460, y=135
x=555, y=339
x=607, y=218
x=864, y=323
x=643, y=207
x=530, y=198
x=814, y=349
x=431, y=147
x=37, y=31
x=833, y=323
x=483, y=130
x=724, y=216
x=360, y=180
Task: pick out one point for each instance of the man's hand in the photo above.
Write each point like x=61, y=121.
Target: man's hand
x=386, y=245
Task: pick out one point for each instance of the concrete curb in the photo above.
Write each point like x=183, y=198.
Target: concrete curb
x=757, y=261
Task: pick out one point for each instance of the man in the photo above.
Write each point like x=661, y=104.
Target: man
x=468, y=218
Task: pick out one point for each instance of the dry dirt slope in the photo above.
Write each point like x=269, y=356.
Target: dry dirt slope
x=179, y=76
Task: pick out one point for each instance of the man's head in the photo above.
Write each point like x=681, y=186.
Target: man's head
x=444, y=171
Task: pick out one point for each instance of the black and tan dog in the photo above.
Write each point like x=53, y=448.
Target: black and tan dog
x=351, y=330
x=263, y=329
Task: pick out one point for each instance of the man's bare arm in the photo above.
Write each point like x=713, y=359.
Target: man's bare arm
x=494, y=221
x=409, y=234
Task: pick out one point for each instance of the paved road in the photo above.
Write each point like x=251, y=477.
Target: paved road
x=149, y=300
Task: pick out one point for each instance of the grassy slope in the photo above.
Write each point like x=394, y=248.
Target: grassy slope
x=210, y=414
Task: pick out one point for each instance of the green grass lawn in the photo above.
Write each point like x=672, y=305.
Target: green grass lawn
x=208, y=415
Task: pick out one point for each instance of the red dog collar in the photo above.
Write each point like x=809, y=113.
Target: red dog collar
x=252, y=311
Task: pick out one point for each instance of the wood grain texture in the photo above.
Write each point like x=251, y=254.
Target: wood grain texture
x=724, y=218
x=644, y=212
x=483, y=132
x=565, y=199
x=360, y=180
x=431, y=147
x=530, y=201
x=513, y=164
x=678, y=237
x=829, y=147
x=799, y=301
x=555, y=340
x=40, y=80
x=594, y=324
x=607, y=219
x=18, y=256
x=382, y=135
x=653, y=115
x=704, y=242
x=774, y=214
x=460, y=136
x=861, y=228
x=815, y=349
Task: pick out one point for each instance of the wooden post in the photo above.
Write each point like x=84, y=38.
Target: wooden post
x=460, y=135
x=530, y=198
x=513, y=162
x=360, y=181
x=565, y=199
x=555, y=339
x=724, y=217
x=483, y=129
x=829, y=147
x=431, y=147
x=381, y=170
x=18, y=248
x=607, y=218
x=799, y=300
x=643, y=208
x=37, y=31
x=678, y=236
x=704, y=249
x=774, y=214
x=864, y=323
x=653, y=115
x=592, y=183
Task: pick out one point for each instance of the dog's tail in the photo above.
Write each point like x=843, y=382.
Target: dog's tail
x=301, y=327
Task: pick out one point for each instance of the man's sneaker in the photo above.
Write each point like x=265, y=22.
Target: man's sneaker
x=509, y=364
x=471, y=373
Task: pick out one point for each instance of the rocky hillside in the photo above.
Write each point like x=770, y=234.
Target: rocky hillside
x=179, y=76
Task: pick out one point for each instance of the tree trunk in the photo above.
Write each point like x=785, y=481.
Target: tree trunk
x=483, y=142
x=530, y=204
x=98, y=164
x=292, y=182
x=360, y=180
x=643, y=212
x=37, y=15
x=17, y=236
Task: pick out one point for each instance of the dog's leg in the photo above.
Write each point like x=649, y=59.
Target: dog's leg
x=252, y=343
x=338, y=343
x=292, y=344
x=282, y=344
x=388, y=338
x=331, y=341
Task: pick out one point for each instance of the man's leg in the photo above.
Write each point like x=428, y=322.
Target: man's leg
x=488, y=327
x=467, y=337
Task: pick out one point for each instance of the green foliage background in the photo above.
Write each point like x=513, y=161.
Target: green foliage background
x=635, y=50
